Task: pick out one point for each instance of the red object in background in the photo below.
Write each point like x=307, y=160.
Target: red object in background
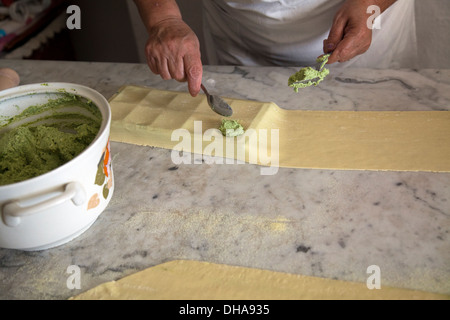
x=7, y=3
x=12, y=41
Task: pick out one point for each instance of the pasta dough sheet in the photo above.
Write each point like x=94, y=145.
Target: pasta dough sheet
x=347, y=140
x=195, y=280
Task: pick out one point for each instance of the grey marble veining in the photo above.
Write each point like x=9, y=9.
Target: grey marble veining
x=324, y=223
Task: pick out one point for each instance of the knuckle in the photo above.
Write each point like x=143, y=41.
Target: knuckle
x=194, y=71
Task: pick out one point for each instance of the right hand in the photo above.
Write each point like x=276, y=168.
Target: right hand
x=173, y=52
x=349, y=35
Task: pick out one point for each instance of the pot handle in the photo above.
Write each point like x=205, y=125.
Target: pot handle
x=12, y=212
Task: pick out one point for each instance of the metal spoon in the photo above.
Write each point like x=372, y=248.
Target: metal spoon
x=217, y=104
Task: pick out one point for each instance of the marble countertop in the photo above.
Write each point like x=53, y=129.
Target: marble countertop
x=324, y=223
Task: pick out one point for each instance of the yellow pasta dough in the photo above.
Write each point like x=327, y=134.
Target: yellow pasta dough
x=195, y=280
x=347, y=140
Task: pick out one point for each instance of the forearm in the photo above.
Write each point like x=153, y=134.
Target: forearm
x=154, y=11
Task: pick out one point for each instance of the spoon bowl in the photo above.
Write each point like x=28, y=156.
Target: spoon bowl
x=217, y=104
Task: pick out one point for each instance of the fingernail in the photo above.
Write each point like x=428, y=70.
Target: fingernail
x=330, y=46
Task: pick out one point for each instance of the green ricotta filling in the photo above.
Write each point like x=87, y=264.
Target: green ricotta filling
x=231, y=128
x=308, y=76
x=32, y=149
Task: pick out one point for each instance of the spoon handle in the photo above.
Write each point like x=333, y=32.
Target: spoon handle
x=204, y=89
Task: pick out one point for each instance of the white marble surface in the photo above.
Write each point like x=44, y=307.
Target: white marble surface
x=331, y=224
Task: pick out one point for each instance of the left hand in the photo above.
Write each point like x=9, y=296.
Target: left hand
x=349, y=35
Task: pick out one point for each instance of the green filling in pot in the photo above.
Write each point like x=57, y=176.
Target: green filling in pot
x=32, y=149
x=308, y=76
x=231, y=128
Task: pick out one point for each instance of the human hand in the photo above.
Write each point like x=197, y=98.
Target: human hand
x=173, y=52
x=349, y=35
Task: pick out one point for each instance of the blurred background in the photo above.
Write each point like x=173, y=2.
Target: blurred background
x=112, y=31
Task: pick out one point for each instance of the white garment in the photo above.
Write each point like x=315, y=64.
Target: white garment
x=291, y=33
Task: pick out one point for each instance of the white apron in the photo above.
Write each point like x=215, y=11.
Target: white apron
x=291, y=33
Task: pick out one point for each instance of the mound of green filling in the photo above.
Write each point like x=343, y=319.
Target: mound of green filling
x=308, y=76
x=231, y=128
x=29, y=151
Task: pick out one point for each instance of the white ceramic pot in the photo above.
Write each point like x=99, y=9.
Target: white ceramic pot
x=57, y=206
